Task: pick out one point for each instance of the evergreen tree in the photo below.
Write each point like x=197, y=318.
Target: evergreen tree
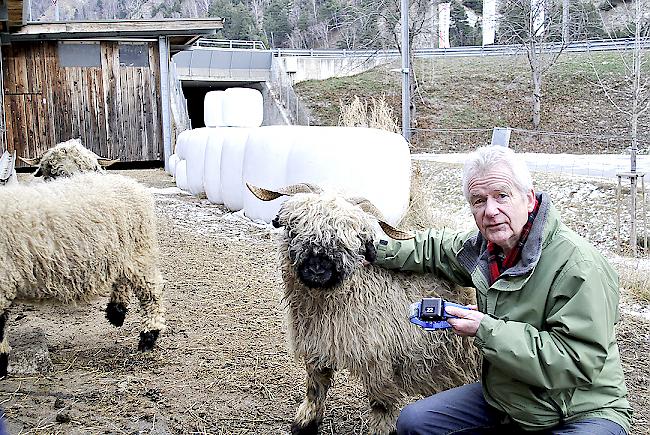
x=460, y=32
x=238, y=22
x=276, y=22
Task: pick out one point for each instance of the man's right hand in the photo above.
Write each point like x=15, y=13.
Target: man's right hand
x=467, y=320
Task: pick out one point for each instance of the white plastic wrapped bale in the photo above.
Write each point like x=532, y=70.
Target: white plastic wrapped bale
x=195, y=157
x=232, y=159
x=171, y=164
x=213, y=109
x=355, y=161
x=182, y=142
x=181, y=175
x=265, y=165
x=242, y=107
x=212, y=165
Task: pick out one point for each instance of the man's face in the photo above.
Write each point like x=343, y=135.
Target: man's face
x=499, y=209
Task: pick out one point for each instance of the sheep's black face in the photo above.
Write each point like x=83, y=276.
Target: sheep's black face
x=326, y=239
x=319, y=271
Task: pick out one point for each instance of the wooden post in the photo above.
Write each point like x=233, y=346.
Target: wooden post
x=645, y=216
x=163, y=44
x=3, y=123
x=634, y=177
x=618, y=213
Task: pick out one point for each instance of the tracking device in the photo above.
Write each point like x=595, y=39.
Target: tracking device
x=429, y=314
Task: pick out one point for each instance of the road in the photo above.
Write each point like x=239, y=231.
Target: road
x=599, y=165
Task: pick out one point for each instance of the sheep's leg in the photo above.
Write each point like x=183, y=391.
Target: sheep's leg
x=149, y=292
x=311, y=410
x=118, y=306
x=383, y=416
x=4, y=345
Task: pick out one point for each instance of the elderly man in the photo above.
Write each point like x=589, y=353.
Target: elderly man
x=547, y=306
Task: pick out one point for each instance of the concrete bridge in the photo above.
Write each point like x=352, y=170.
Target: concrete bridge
x=213, y=65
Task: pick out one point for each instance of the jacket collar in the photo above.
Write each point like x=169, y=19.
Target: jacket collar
x=474, y=252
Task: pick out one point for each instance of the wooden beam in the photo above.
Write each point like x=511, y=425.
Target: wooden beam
x=122, y=28
x=15, y=13
x=3, y=131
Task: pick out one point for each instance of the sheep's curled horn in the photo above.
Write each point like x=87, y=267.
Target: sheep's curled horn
x=363, y=203
x=102, y=161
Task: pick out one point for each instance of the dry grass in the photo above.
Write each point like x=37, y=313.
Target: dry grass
x=357, y=114
x=635, y=279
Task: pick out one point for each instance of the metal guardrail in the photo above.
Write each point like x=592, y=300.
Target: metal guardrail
x=488, y=50
x=230, y=43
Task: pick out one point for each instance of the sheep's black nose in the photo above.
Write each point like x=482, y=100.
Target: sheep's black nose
x=276, y=223
x=318, y=271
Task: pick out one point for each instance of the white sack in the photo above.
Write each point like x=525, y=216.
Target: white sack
x=242, y=107
x=265, y=165
x=195, y=158
x=355, y=161
x=171, y=164
x=212, y=165
x=212, y=109
x=232, y=158
x=182, y=143
x=181, y=175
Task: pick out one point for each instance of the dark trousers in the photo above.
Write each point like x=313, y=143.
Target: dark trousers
x=463, y=410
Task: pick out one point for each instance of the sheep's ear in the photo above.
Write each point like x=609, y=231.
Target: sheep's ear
x=31, y=162
x=394, y=233
x=104, y=162
x=263, y=194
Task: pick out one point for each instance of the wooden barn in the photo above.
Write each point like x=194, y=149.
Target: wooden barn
x=110, y=83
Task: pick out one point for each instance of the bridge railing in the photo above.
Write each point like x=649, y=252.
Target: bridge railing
x=487, y=50
x=231, y=43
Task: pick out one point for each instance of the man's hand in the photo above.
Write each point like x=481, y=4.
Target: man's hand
x=467, y=322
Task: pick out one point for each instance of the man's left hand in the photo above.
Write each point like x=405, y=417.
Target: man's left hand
x=467, y=321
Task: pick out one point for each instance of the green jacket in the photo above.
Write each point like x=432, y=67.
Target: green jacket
x=548, y=340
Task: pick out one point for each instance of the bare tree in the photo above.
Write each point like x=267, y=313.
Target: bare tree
x=202, y=6
x=631, y=96
x=535, y=25
x=566, y=21
x=419, y=29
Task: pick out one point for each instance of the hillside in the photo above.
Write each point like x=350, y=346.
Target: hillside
x=349, y=24
x=486, y=92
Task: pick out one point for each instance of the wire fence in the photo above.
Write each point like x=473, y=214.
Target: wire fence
x=281, y=86
x=522, y=140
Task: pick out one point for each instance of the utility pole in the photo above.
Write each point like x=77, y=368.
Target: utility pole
x=406, y=90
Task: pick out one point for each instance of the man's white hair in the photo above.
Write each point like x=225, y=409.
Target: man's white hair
x=486, y=158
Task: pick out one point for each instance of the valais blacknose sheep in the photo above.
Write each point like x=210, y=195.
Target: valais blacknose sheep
x=344, y=315
x=67, y=158
x=76, y=238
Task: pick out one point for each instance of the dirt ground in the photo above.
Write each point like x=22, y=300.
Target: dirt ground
x=222, y=366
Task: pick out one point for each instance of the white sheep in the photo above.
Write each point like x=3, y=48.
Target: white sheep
x=343, y=315
x=76, y=238
x=65, y=159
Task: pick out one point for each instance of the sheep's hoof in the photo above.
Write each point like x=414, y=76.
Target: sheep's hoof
x=115, y=313
x=147, y=340
x=310, y=429
x=4, y=364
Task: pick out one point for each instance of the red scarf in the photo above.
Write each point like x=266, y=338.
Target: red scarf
x=495, y=262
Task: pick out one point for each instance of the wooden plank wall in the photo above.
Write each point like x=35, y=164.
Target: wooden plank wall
x=3, y=136
x=113, y=109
